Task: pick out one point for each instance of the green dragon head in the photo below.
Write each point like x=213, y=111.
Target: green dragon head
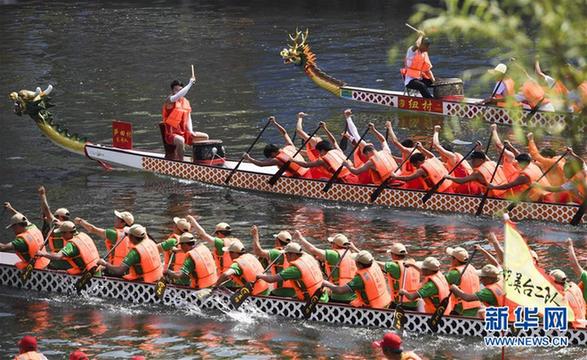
x=297, y=52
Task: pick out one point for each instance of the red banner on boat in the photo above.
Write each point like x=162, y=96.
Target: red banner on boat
x=121, y=134
x=419, y=104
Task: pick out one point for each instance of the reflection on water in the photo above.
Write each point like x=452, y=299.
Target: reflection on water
x=114, y=60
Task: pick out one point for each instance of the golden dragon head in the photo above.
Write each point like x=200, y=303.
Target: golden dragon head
x=296, y=53
x=30, y=102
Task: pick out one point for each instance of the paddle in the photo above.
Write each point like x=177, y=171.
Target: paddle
x=25, y=275
x=439, y=313
x=161, y=285
x=488, y=142
x=413, y=28
x=244, y=292
x=227, y=180
x=337, y=172
x=202, y=293
x=525, y=193
x=344, y=140
x=87, y=275
x=431, y=192
x=579, y=214
x=399, y=317
x=311, y=303
x=484, y=198
x=285, y=166
x=381, y=187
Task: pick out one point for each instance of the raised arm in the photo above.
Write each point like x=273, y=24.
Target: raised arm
x=533, y=149
x=92, y=229
x=314, y=251
x=497, y=246
x=199, y=230
x=379, y=136
x=257, y=249
x=45, y=205
x=499, y=145
x=423, y=150
x=577, y=269
x=395, y=140
x=330, y=136
x=445, y=154
x=300, y=126
x=181, y=93
x=281, y=130
x=490, y=258
x=8, y=206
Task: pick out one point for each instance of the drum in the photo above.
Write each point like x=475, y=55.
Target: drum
x=208, y=152
x=448, y=89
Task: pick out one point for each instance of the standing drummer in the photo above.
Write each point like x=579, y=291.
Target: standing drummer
x=177, y=118
x=417, y=71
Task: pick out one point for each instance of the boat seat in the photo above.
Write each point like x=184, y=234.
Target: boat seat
x=169, y=148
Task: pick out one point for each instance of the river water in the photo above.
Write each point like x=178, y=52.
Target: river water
x=114, y=60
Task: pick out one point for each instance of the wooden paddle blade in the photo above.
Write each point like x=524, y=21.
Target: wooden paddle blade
x=375, y=194
x=279, y=173
x=160, y=287
x=579, y=214
x=25, y=275
x=332, y=179
x=481, y=206
x=431, y=192
x=434, y=320
x=200, y=294
x=511, y=207
x=310, y=305
x=399, y=318
x=239, y=296
x=83, y=281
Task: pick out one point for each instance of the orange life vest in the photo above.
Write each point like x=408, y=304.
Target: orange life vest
x=443, y=290
x=464, y=169
x=435, y=171
x=205, y=274
x=276, y=268
x=376, y=292
x=411, y=284
x=384, y=164
x=178, y=258
x=311, y=279
x=53, y=247
x=284, y=155
x=486, y=170
x=407, y=170
x=251, y=267
x=223, y=261
x=560, y=89
x=87, y=253
x=497, y=290
x=579, y=181
x=150, y=268
x=420, y=66
x=177, y=116
x=532, y=172
x=33, y=237
x=509, y=88
x=574, y=297
x=534, y=94
x=582, y=92
x=334, y=159
x=121, y=250
x=346, y=269
x=31, y=355
x=469, y=284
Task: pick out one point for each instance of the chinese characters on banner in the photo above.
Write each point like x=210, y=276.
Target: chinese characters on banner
x=121, y=134
x=419, y=104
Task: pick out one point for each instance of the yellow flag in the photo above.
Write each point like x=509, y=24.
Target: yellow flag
x=524, y=283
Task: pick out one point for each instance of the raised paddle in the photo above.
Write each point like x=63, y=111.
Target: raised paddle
x=375, y=194
x=240, y=295
x=25, y=275
x=484, y=198
x=439, y=312
x=399, y=317
x=193, y=72
x=337, y=172
x=431, y=192
x=87, y=275
x=227, y=180
x=525, y=193
x=285, y=166
x=161, y=285
x=311, y=303
x=413, y=28
x=344, y=141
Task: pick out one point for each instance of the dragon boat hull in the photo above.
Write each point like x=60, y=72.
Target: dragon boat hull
x=252, y=178
x=136, y=292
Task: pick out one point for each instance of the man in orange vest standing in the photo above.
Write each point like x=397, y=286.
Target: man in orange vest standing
x=417, y=72
x=177, y=118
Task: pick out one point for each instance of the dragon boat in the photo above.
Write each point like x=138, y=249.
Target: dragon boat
x=250, y=177
x=53, y=281
x=299, y=53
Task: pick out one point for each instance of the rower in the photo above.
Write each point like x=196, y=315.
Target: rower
x=429, y=171
x=221, y=239
x=278, y=157
x=303, y=270
x=468, y=281
x=27, y=349
x=113, y=235
x=169, y=247
x=142, y=262
x=394, y=271
x=450, y=158
x=177, y=119
x=553, y=87
x=80, y=251
x=29, y=240
x=369, y=283
x=311, y=152
x=573, y=295
x=545, y=158
x=492, y=293
x=578, y=97
x=380, y=163
x=503, y=89
x=198, y=269
x=406, y=148
x=391, y=346
x=244, y=269
x=510, y=167
x=532, y=96
x=577, y=269
x=417, y=71
x=55, y=242
x=282, y=288
x=483, y=169
x=346, y=270
x=575, y=188
x=433, y=290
